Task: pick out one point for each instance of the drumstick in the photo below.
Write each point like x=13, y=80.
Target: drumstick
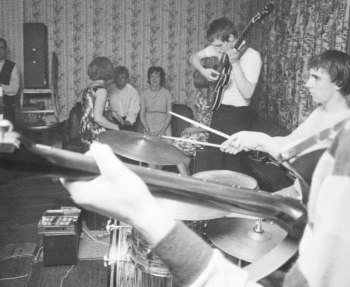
x=201, y=125
x=191, y=141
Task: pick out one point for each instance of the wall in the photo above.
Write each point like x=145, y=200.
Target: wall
x=137, y=34
x=141, y=33
x=300, y=30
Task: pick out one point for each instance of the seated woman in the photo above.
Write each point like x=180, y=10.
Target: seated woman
x=155, y=104
x=95, y=105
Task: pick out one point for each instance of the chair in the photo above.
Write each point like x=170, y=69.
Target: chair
x=72, y=137
x=178, y=125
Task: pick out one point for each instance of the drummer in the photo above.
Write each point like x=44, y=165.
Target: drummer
x=328, y=84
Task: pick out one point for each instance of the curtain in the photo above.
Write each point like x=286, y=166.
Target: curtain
x=299, y=30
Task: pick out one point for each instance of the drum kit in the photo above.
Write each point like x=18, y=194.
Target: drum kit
x=205, y=201
x=244, y=239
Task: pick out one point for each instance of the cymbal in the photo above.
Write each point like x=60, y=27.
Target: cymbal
x=238, y=237
x=142, y=148
x=187, y=211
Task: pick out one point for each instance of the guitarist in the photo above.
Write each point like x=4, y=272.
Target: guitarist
x=234, y=114
x=329, y=85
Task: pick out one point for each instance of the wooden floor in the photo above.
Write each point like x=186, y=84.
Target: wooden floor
x=22, y=203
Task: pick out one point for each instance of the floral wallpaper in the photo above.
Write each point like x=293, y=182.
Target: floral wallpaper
x=142, y=33
x=137, y=34
x=298, y=30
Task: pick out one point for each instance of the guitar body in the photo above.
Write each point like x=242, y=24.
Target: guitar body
x=216, y=94
x=199, y=81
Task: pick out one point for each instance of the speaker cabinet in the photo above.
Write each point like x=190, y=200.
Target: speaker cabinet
x=35, y=44
x=60, y=249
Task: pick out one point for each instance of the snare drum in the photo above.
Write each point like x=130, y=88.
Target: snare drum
x=145, y=260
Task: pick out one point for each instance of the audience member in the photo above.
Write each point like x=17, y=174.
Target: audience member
x=95, y=105
x=155, y=104
x=234, y=114
x=9, y=81
x=124, y=100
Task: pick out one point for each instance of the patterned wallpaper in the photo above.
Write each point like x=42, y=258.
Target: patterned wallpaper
x=141, y=33
x=137, y=34
x=299, y=30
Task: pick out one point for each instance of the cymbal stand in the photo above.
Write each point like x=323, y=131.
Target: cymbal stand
x=113, y=259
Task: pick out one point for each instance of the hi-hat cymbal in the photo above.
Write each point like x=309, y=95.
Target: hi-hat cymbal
x=238, y=237
x=142, y=148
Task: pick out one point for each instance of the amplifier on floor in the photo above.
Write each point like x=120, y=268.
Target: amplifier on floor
x=61, y=231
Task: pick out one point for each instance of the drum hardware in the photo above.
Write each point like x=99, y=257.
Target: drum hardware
x=258, y=227
x=110, y=226
x=265, y=158
x=41, y=160
x=108, y=261
x=116, y=256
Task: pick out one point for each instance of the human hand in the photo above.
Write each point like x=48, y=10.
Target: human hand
x=127, y=123
x=117, y=192
x=244, y=141
x=210, y=74
x=118, y=117
x=233, y=56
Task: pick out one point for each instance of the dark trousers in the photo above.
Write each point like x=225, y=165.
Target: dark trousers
x=229, y=120
x=124, y=127
x=9, y=108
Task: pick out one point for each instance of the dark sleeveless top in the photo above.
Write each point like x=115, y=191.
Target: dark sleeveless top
x=5, y=74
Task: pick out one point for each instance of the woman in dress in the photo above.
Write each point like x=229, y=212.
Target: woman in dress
x=95, y=105
x=155, y=104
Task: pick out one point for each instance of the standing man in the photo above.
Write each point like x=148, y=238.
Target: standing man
x=9, y=81
x=124, y=100
x=234, y=114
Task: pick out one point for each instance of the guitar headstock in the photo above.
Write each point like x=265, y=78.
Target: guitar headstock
x=267, y=10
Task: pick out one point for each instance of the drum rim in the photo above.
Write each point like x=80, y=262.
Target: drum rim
x=227, y=171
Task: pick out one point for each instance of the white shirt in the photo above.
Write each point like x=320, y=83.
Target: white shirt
x=125, y=102
x=251, y=64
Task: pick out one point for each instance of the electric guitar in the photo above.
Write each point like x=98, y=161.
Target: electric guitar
x=216, y=89
x=18, y=153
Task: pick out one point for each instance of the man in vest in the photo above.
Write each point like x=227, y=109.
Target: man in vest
x=9, y=81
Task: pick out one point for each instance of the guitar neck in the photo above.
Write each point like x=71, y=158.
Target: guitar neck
x=243, y=35
x=310, y=141
x=49, y=161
